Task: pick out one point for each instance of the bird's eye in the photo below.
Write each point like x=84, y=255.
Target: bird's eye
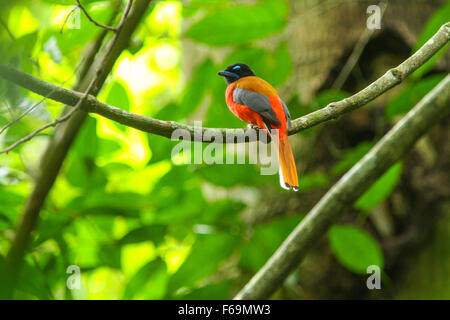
x=236, y=67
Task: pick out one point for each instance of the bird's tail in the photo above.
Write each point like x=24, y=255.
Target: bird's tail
x=288, y=170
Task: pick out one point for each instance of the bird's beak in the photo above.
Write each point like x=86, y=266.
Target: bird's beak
x=227, y=74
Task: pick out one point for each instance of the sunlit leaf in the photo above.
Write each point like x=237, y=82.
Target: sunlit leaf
x=51, y=226
x=153, y=233
x=275, y=67
x=262, y=19
x=230, y=175
x=109, y=256
x=118, y=96
x=208, y=251
x=149, y=282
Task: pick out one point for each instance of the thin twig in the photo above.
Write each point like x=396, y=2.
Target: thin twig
x=67, y=17
x=37, y=131
x=101, y=25
x=125, y=15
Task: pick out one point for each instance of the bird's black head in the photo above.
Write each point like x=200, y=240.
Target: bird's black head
x=235, y=72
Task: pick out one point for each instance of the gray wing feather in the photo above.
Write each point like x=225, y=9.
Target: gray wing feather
x=288, y=115
x=256, y=102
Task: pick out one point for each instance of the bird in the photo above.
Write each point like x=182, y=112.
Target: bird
x=255, y=101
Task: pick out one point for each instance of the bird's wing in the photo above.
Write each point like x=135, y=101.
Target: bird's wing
x=287, y=114
x=257, y=102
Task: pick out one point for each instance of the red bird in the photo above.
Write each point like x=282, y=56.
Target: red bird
x=255, y=101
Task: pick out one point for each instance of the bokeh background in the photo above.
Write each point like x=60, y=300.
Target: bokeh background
x=143, y=225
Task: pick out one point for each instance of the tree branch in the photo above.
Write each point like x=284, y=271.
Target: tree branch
x=165, y=128
x=392, y=147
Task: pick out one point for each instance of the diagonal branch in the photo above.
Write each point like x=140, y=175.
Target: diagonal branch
x=392, y=147
x=165, y=128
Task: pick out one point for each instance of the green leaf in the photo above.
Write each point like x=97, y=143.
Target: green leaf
x=107, y=146
x=195, y=90
x=118, y=96
x=190, y=204
x=222, y=213
x=149, y=282
x=313, y=180
x=239, y=24
x=327, y=96
x=351, y=157
x=83, y=171
x=72, y=40
x=381, y=189
x=411, y=95
x=439, y=17
x=274, y=66
x=109, y=256
x=230, y=175
x=193, y=93
x=278, y=66
x=70, y=2
x=22, y=47
x=265, y=240
x=97, y=202
x=36, y=287
x=208, y=251
x=153, y=233
x=354, y=248
x=51, y=226
x=10, y=198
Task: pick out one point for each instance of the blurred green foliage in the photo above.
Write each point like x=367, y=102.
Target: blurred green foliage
x=139, y=225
